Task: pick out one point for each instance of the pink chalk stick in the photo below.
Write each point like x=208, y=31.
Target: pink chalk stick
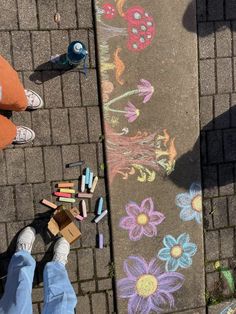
x=79, y=217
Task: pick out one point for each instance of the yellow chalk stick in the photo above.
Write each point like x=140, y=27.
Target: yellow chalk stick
x=95, y=181
x=67, y=191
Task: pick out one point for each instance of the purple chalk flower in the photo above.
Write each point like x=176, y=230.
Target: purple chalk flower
x=131, y=112
x=141, y=220
x=146, y=90
x=147, y=287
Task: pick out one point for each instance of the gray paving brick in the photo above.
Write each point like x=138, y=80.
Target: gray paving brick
x=89, y=232
x=212, y=281
x=110, y=297
x=41, y=191
x=27, y=14
x=100, y=159
x=94, y=123
x=210, y=186
x=60, y=41
x=224, y=75
x=89, y=89
x=215, y=10
x=12, y=229
x=201, y=10
x=52, y=89
x=105, y=284
x=46, y=11
x=207, y=77
x=37, y=295
x=3, y=242
x=83, y=305
x=8, y=20
x=22, y=118
x=230, y=9
x=206, y=112
x=15, y=165
x=72, y=267
x=70, y=153
x=203, y=145
x=88, y=152
x=99, y=303
x=232, y=210
x=41, y=49
x=214, y=145
x=21, y=47
x=212, y=245
x=39, y=245
x=233, y=110
x=221, y=109
x=36, y=308
x=85, y=262
x=53, y=163
x=24, y=201
x=226, y=179
x=34, y=165
x=71, y=89
x=78, y=125
x=227, y=243
x=92, y=49
x=219, y=209
x=229, y=145
x=84, y=10
x=102, y=261
x=60, y=126
x=223, y=39
x=29, y=84
x=99, y=191
x=3, y=169
x=5, y=46
x=41, y=126
x=206, y=40
x=207, y=211
x=88, y=286
x=103, y=228
x=67, y=11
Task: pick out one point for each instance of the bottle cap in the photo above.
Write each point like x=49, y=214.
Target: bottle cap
x=77, y=47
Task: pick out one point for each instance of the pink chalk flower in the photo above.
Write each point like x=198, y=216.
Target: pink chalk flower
x=141, y=220
x=131, y=112
x=146, y=90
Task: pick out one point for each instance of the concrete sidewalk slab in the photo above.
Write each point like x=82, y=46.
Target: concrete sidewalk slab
x=149, y=79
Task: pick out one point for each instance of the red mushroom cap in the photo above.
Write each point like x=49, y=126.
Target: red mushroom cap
x=141, y=28
x=109, y=11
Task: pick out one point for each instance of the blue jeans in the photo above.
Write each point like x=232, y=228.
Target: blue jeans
x=59, y=295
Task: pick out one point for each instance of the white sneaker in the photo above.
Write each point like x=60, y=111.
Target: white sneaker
x=23, y=135
x=61, y=251
x=26, y=239
x=34, y=100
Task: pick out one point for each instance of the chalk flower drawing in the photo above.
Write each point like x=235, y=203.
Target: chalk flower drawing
x=177, y=252
x=141, y=220
x=147, y=287
x=190, y=203
x=131, y=112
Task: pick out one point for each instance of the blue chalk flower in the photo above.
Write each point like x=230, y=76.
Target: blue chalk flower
x=177, y=252
x=190, y=203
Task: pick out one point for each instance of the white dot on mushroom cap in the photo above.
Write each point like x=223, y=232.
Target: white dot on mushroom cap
x=142, y=39
x=149, y=23
x=146, y=14
x=137, y=16
x=135, y=46
x=143, y=28
x=149, y=36
x=134, y=30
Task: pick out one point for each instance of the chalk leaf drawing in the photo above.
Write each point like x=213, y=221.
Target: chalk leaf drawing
x=190, y=203
x=177, y=252
x=143, y=154
x=147, y=287
x=141, y=220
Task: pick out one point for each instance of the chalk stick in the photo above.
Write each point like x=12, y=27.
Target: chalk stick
x=49, y=204
x=85, y=195
x=75, y=164
x=65, y=185
x=100, y=241
x=104, y=213
x=100, y=204
x=90, y=180
x=67, y=200
x=87, y=174
x=79, y=217
x=84, y=209
x=62, y=194
x=82, y=188
x=71, y=191
x=95, y=181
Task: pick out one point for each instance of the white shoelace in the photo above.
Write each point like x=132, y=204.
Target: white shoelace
x=21, y=134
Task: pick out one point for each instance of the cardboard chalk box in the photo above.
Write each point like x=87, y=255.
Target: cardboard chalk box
x=62, y=223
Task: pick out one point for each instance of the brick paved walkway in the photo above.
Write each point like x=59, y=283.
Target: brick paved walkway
x=217, y=52
x=67, y=129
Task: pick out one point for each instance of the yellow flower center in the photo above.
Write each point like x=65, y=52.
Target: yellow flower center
x=142, y=219
x=137, y=112
x=176, y=251
x=197, y=203
x=146, y=285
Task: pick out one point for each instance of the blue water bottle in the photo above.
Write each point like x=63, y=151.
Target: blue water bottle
x=76, y=53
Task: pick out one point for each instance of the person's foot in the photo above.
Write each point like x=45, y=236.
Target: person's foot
x=23, y=135
x=34, y=100
x=61, y=251
x=26, y=239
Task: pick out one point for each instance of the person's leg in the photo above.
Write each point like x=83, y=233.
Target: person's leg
x=17, y=295
x=59, y=295
x=7, y=132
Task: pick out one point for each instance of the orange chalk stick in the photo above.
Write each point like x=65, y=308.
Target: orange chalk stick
x=65, y=185
x=85, y=195
x=60, y=194
x=49, y=204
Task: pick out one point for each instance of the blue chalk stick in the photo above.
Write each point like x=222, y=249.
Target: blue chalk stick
x=100, y=204
x=90, y=180
x=87, y=175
